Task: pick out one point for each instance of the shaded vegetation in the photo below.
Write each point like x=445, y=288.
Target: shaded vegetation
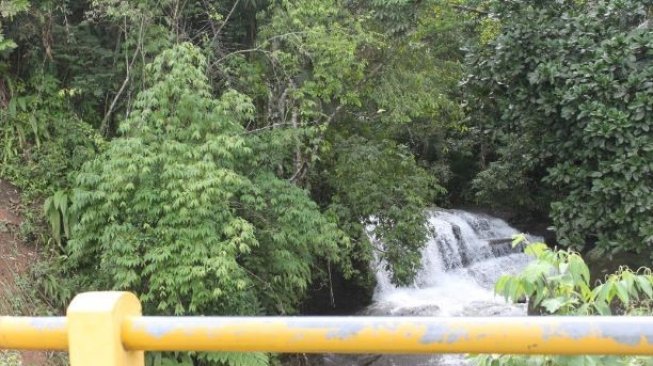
x=227, y=157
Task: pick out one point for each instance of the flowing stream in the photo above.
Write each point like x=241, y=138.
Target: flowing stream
x=466, y=253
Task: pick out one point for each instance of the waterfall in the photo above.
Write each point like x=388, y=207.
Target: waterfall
x=464, y=256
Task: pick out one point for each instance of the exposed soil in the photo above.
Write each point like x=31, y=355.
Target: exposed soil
x=15, y=260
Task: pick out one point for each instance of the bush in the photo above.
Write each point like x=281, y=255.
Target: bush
x=565, y=91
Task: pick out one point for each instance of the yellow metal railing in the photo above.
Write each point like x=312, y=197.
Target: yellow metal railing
x=107, y=329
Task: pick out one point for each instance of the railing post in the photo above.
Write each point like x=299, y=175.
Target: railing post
x=94, y=320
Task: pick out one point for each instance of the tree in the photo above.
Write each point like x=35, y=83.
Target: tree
x=178, y=211
x=563, y=89
x=317, y=91
x=378, y=183
x=362, y=85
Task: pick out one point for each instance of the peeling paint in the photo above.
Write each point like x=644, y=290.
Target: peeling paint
x=48, y=323
x=157, y=330
x=527, y=335
x=436, y=333
x=571, y=329
x=532, y=346
x=159, y=327
x=342, y=330
x=631, y=335
x=345, y=331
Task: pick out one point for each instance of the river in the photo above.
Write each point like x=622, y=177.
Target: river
x=466, y=253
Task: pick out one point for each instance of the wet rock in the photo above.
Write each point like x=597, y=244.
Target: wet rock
x=483, y=308
x=425, y=310
x=394, y=310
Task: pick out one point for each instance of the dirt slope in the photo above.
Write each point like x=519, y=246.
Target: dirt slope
x=15, y=260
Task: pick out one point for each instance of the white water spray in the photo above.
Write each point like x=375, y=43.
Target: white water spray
x=465, y=255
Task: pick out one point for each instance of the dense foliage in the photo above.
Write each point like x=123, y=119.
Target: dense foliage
x=319, y=75
x=228, y=157
x=178, y=210
x=566, y=95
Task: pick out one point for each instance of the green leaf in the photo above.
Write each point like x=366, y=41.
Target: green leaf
x=622, y=292
x=500, y=285
x=579, y=269
x=518, y=239
x=645, y=285
x=539, y=297
x=7, y=44
x=554, y=304
x=537, y=250
x=602, y=308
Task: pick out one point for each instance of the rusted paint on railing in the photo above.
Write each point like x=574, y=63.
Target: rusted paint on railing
x=106, y=329
x=507, y=335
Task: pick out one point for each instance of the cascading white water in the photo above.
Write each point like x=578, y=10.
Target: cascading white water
x=459, y=265
x=466, y=253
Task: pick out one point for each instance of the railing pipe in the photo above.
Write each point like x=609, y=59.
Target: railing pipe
x=107, y=329
x=35, y=333
x=505, y=335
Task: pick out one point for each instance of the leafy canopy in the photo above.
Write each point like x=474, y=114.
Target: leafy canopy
x=176, y=212
x=565, y=90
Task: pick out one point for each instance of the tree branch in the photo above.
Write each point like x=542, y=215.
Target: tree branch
x=226, y=19
x=104, y=126
x=274, y=125
x=255, y=49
